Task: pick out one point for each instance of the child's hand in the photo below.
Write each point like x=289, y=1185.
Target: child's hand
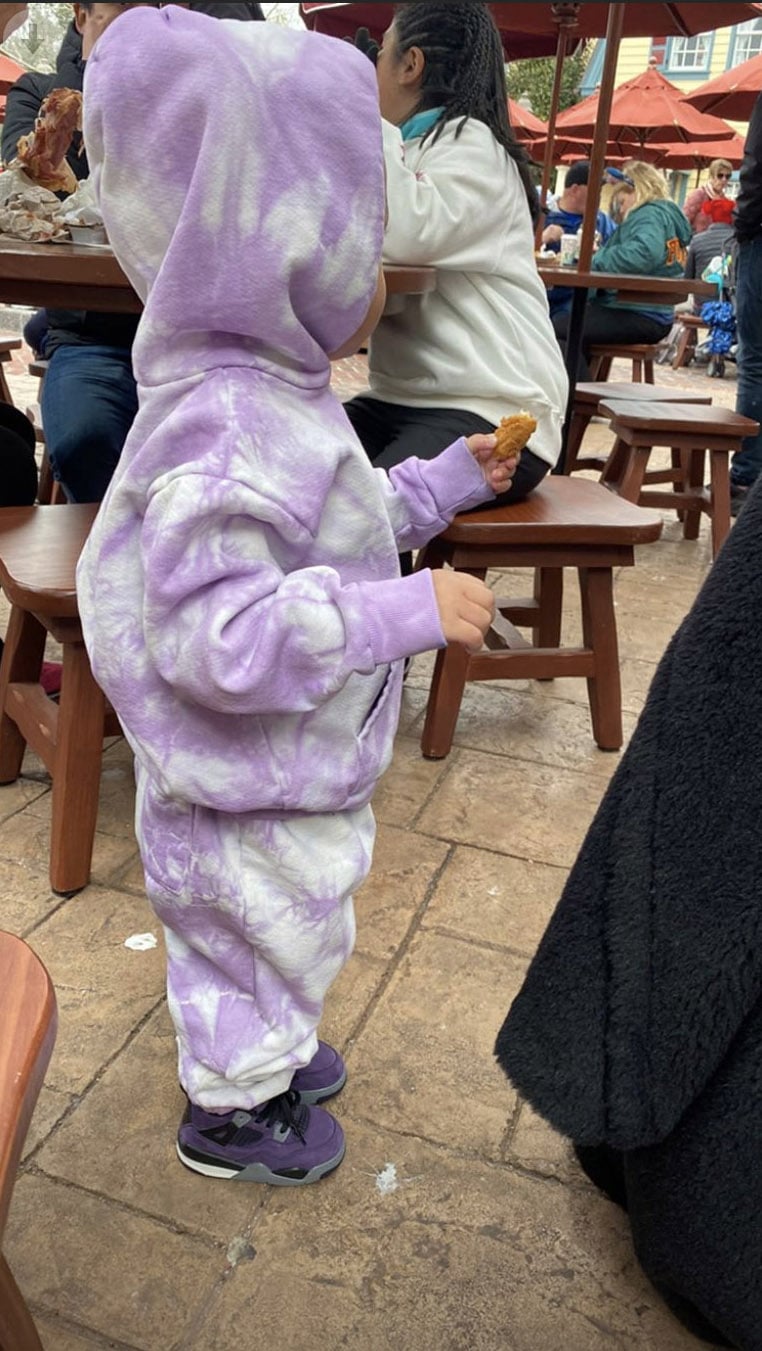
x=498, y=473
x=466, y=608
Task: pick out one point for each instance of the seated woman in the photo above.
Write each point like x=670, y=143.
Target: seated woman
x=480, y=346
x=652, y=240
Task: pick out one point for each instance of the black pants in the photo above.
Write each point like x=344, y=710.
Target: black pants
x=391, y=433
x=606, y=324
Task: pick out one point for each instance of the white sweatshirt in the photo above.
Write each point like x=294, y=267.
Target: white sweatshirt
x=482, y=341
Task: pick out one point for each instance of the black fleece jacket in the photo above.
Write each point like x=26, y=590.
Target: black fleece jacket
x=638, y=1030
x=748, y=217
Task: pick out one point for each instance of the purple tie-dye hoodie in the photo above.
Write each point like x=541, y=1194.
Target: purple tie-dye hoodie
x=240, y=593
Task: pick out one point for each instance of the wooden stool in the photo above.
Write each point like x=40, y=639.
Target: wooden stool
x=565, y=523
x=690, y=433
x=687, y=338
x=50, y=492
x=28, y=1021
x=7, y=347
x=39, y=550
x=642, y=355
x=588, y=398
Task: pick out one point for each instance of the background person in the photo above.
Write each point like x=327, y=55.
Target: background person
x=716, y=187
x=89, y=398
x=653, y=241
x=479, y=347
x=566, y=217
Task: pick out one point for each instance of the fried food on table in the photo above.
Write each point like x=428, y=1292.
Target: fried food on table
x=42, y=154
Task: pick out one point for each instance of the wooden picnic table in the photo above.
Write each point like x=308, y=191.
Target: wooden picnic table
x=629, y=287
x=79, y=277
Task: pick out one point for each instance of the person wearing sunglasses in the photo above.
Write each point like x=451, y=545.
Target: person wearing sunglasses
x=716, y=187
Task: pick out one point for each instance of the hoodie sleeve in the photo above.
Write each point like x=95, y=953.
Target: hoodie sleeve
x=423, y=496
x=693, y=204
x=443, y=214
x=229, y=631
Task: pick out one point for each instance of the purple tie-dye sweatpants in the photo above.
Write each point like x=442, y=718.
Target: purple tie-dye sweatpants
x=259, y=921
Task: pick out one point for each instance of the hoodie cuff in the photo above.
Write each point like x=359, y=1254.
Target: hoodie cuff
x=402, y=617
x=455, y=480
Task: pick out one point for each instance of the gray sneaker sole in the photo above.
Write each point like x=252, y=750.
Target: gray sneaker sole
x=259, y=1172
x=314, y=1097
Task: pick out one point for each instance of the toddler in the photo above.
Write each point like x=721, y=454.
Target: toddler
x=240, y=592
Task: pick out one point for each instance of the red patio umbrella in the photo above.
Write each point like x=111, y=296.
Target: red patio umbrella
x=524, y=123
x=680, y=156
x=732, y=94
x=540, y=18
x=646, y=111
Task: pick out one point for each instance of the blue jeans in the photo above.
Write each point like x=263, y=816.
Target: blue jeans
x=747, y=464
x=89, y=402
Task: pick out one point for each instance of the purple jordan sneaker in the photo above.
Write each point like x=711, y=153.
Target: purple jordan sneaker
x=283, y=1142
x=323, y=1078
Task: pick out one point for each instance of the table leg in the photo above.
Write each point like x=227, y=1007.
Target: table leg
x=572, y=360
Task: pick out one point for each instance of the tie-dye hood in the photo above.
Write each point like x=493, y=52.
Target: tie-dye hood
x=249, y=224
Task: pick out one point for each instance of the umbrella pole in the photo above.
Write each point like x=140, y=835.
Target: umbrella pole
x=597, y=165
x=547, y=169
x=598, y=156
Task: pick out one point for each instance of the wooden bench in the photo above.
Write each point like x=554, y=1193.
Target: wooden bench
x=39, y=550
x=687, y=339
x=27, y=1033
x=565, y=523
x=591, y=395
x=642, y=356
x=690, y=433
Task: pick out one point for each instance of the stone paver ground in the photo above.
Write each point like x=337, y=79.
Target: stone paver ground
x=492, y=1238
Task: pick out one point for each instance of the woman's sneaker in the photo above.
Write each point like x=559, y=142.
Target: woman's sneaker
x=323, y=1078
x=283, y=1142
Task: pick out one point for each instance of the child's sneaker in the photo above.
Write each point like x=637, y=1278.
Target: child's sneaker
x=323, y=1078
x=283, y=1142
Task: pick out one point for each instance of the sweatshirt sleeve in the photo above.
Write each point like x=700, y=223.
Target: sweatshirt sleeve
x=22, y=110
x=423, y=496
x=693, y=204
x=637, y=250
x=229, y=631
x=442, y=215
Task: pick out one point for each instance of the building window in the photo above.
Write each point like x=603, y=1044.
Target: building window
x=747, y=42
x=690, y=56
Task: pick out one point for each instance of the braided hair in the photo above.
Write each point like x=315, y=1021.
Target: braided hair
x=464, y=72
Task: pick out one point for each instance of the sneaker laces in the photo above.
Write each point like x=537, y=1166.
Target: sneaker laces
x=286, y=1110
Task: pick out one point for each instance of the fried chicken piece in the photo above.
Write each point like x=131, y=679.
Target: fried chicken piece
x=42, y=154
x=513, y=435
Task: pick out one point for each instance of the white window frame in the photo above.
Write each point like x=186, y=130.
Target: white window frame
x=689, y=56
x=747, y=41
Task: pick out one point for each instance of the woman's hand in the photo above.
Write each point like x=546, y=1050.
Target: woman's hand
x=499, y=474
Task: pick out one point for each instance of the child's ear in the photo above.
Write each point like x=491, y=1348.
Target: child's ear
x=412, y=67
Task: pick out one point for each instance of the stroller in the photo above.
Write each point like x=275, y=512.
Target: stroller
x=722, y=343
